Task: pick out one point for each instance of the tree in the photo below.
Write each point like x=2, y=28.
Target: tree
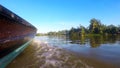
x=103, y=29
x=82, y=30
x=119, y=29
x=94, y=26
x=111, y=29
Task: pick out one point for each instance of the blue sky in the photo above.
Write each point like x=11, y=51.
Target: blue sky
x=54, y=15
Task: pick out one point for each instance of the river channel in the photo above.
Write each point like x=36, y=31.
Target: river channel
x=62, y=52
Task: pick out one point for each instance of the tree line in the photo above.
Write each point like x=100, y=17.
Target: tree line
x=95, y=28
x=62, y=32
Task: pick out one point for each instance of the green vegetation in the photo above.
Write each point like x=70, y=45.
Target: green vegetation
x=40, y=34
x=96, y=28
x=63, y=32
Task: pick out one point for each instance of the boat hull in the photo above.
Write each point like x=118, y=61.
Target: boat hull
x=14, y=31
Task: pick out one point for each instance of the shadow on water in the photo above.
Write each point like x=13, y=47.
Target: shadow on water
x=26, y=59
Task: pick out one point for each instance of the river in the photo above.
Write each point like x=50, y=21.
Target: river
x=62, y=52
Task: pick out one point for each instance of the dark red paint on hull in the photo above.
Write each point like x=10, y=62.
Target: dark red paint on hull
x=14, y=31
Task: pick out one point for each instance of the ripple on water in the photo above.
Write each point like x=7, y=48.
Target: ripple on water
x=47, y=56
x=54, y=57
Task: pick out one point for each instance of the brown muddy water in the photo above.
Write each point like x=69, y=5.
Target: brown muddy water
x=61, y=52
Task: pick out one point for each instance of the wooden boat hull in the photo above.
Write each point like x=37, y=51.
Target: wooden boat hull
x=14, y=31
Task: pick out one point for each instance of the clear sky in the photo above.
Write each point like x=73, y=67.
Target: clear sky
x=54, y=15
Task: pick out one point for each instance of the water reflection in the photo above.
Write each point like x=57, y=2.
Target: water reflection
x=95, y=41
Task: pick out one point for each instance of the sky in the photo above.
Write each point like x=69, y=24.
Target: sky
x=55, y=15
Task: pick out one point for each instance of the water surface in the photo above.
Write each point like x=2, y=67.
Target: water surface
x=62, y=52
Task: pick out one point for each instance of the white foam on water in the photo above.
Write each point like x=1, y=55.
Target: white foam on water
x=54, y=57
